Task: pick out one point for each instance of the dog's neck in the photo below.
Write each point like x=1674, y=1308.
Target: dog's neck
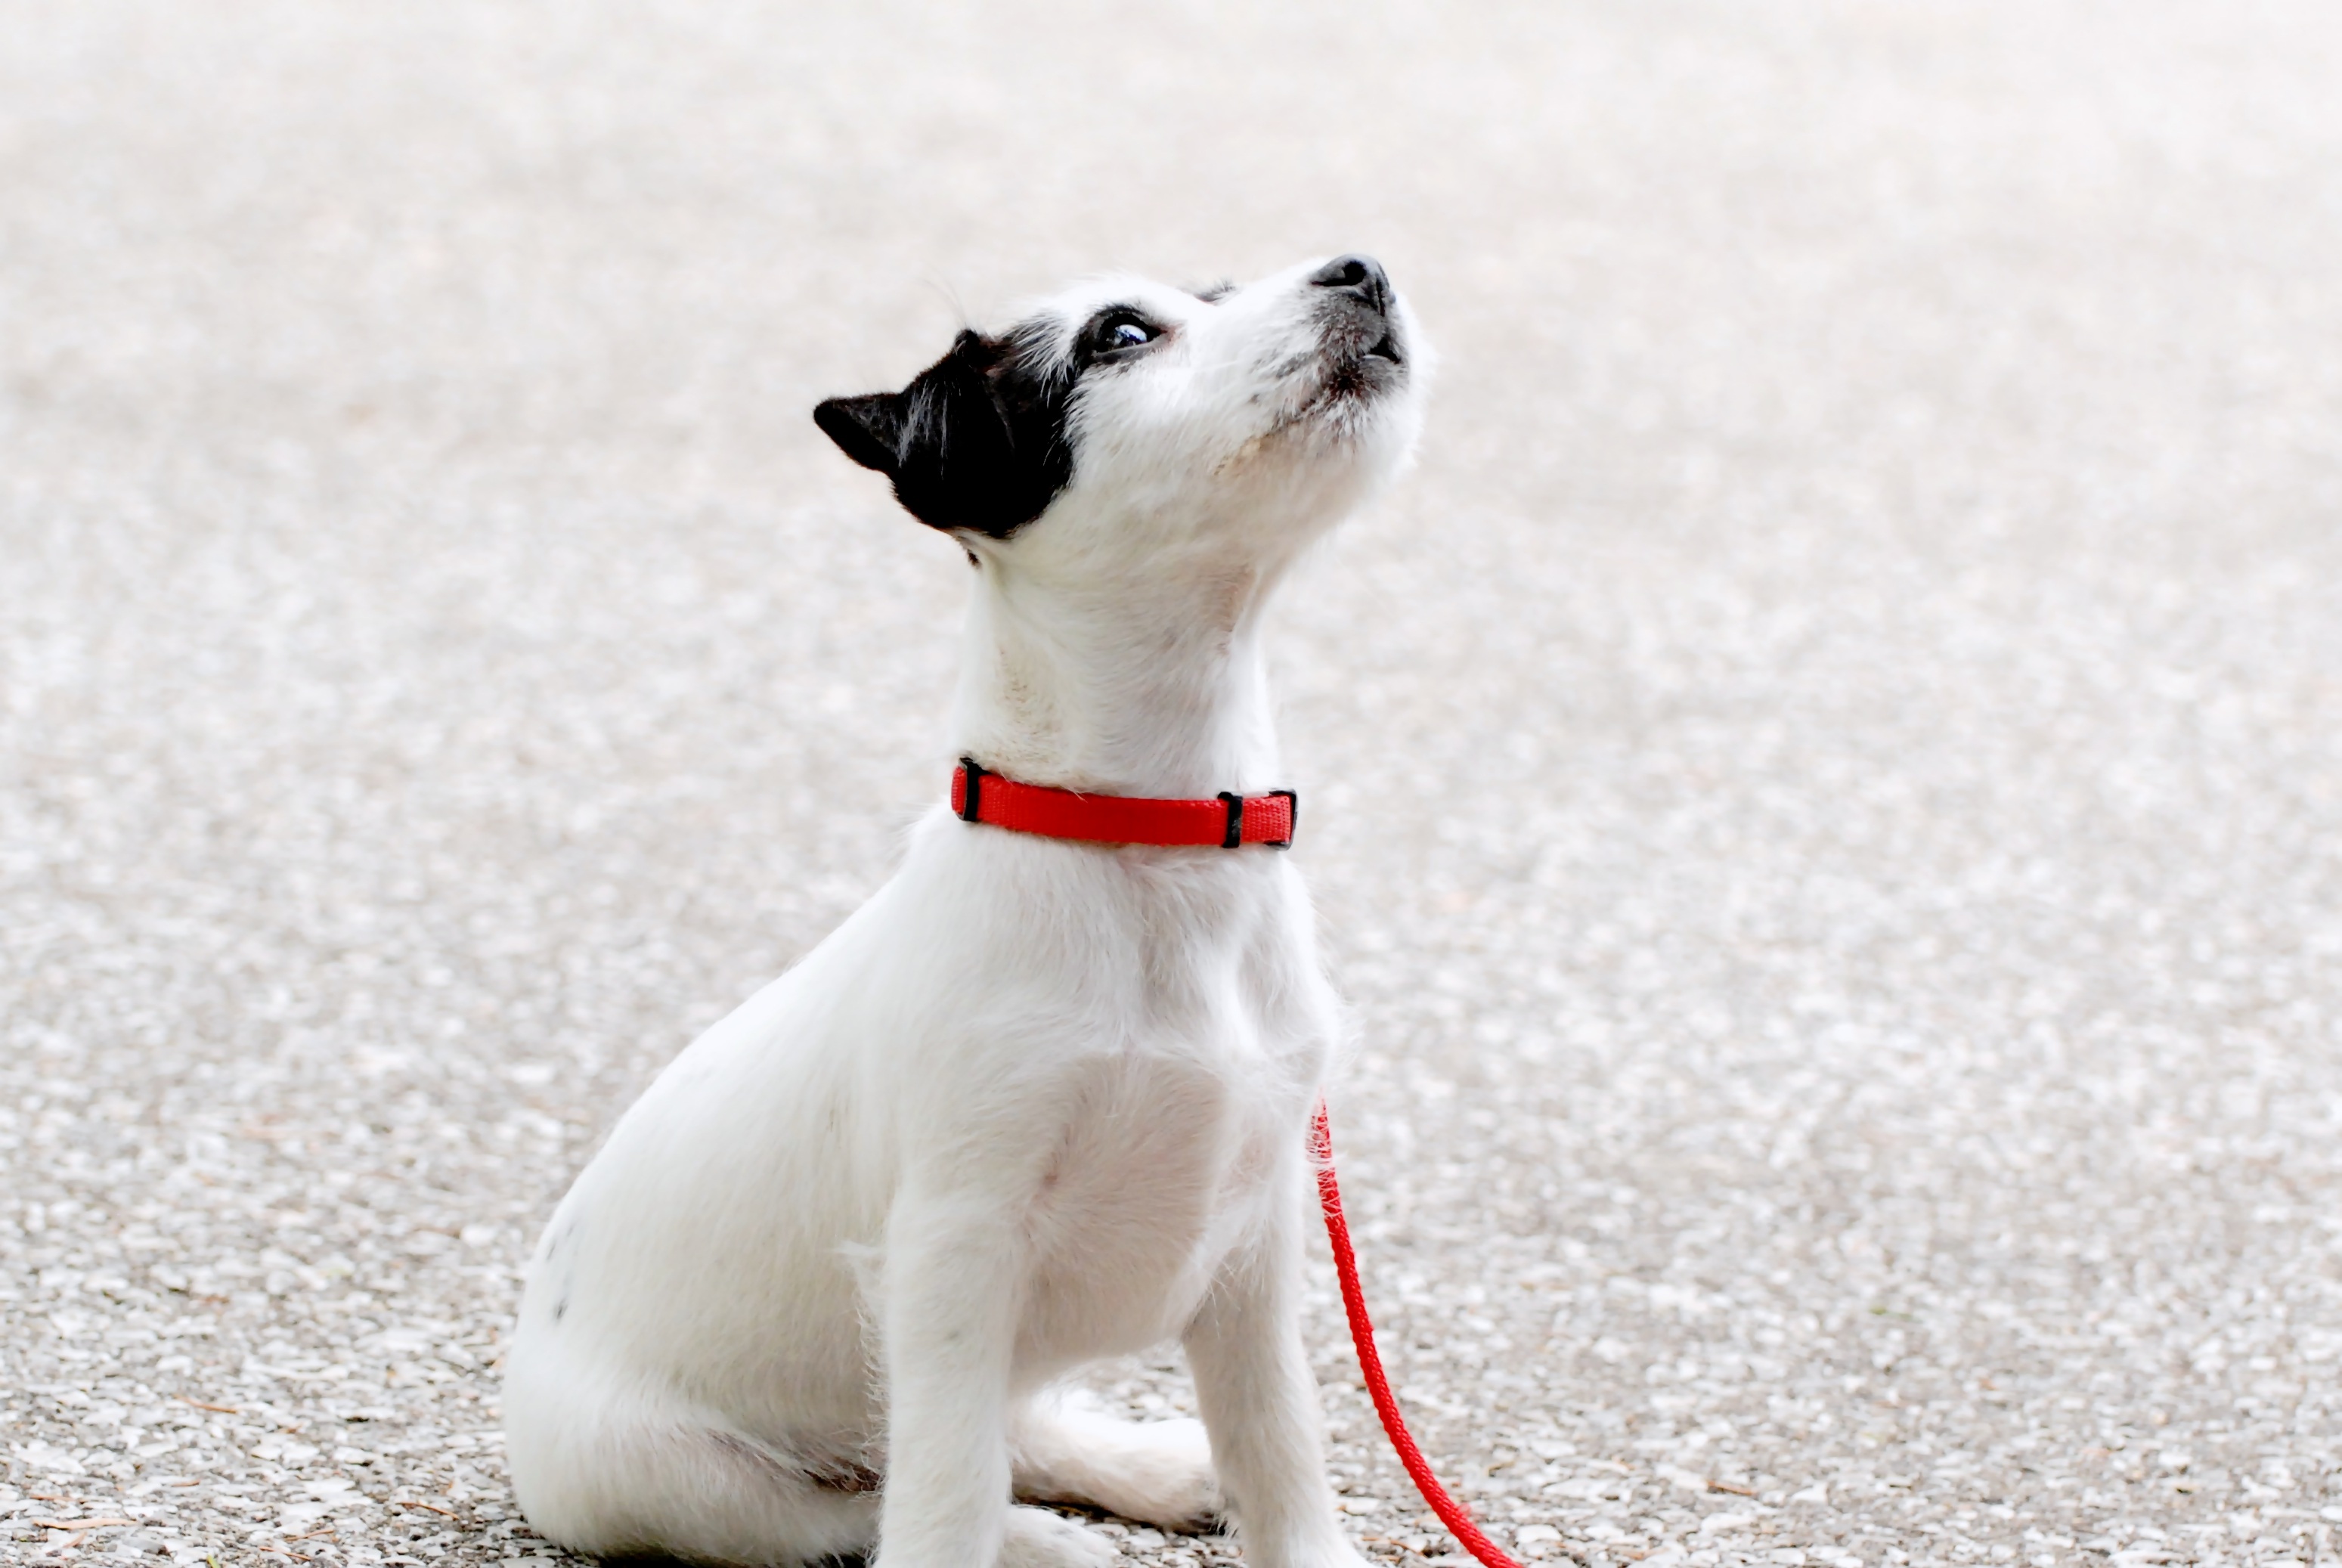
x=1153, y=688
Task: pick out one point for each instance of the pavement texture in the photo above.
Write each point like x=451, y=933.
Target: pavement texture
x=1824, y=784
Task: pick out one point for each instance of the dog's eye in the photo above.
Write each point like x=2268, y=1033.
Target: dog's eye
x=1118, y=331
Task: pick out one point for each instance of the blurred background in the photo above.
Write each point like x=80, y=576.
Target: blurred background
x=1824, y=784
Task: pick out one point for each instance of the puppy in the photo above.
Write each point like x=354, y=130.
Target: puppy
x=1040, y=1101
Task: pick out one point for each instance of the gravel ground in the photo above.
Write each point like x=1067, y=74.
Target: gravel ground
x=1825, y=786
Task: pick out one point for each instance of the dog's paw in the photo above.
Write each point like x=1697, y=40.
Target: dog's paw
x=1037, y=1538
x=1322, y=1548
x=1343, y=1556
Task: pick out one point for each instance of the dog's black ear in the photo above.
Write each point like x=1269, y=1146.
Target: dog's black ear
x=867, y=429
x=976, y=441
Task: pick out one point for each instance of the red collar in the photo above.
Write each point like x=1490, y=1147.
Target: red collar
x=1225, y=820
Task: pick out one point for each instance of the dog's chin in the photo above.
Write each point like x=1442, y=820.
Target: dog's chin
x=1362, y=359
x=1356, y=390
x=1362, y=375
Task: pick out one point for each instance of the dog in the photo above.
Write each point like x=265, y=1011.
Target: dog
x=1040, y=1101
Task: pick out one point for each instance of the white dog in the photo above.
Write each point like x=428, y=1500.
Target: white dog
x=1039, y=1101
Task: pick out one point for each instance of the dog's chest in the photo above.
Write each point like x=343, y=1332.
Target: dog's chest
x=1167, y=1169
x=1173, y=1134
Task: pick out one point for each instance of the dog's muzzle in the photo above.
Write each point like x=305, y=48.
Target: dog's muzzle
x=1358, y=297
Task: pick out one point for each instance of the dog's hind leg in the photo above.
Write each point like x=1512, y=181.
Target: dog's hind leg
x=1063, y=1449
x=604, y=1466
x=698, y=1492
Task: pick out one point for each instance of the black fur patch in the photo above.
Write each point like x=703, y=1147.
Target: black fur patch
x=975, y=443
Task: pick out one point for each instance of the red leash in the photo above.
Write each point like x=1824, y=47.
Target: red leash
x=1362, y=1333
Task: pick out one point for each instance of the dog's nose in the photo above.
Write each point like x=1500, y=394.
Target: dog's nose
x=1355, y=274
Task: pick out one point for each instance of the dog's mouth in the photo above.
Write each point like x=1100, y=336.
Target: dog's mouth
x=1359, y=366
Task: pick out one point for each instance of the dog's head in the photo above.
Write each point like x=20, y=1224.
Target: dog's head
x=1122, y=418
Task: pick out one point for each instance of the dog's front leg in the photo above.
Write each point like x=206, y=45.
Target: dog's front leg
x=952, y=1287
x=1259, y=1400
x=952, y=1284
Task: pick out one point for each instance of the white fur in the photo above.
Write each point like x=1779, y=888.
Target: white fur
x=1037, y=1102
